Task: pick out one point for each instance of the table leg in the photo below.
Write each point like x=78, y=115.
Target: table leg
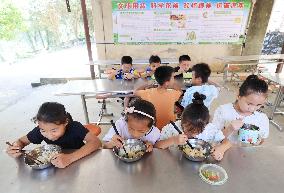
x=83, y=98
x=276, y=102
x=279, y=67
x=104, y=109
x=226, y=72
x=99, y=69
x=276, y=125
x=274, y=108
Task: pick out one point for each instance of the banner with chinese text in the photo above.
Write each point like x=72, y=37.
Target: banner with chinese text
x=176, y=21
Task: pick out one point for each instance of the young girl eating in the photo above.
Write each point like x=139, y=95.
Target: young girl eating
x=232, y=116
x=138, y=123
x=194, y=123
x=55, y=126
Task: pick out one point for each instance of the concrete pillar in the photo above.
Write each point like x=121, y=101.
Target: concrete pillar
x=257, y=28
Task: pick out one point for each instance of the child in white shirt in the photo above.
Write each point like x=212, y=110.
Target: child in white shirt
x=230, y=117
x=194, y=124
x=138, y=123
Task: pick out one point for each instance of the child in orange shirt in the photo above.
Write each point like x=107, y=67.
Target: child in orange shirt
x=164, y=96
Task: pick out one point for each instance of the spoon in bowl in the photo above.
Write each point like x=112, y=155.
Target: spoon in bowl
x=179, y=131
x=115, y=129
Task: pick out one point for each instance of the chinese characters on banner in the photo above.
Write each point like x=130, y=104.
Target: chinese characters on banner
x=175, y=21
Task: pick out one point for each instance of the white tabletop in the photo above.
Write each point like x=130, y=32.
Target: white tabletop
x=99, y=86
x=229, y=59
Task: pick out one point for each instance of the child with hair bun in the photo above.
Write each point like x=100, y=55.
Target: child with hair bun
x=194, y=123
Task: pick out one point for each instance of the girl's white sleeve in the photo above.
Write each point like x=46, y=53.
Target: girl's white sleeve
x=111, y=131
x=218, y=118
x=211, y=134
x=109, y=135
x=263, y=126
x=169, y=131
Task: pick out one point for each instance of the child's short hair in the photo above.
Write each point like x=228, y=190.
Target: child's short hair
x=195, y=115
x=253, y=84
x=142, y=110
x=126, y=60
x=53, y=112
x=154, y=59
x=184, y=58
x=202, y=70
x=163, y=74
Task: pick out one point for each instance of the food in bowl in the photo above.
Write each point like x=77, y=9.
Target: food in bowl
x=213, y=174
x=201, y=149
x=134, y=148
x=132, y=152
x=194, y=152
x=44, y=154
x=248, y=134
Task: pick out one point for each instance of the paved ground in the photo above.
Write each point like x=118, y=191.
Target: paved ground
x=16, y=78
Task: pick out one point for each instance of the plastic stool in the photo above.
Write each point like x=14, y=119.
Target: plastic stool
x=93, y=128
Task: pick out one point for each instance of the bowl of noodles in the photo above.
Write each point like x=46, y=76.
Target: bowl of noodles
x=44, y=154
x=134, y=148
x=201, y=150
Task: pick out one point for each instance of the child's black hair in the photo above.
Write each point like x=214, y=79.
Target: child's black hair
x=163, y=74
x=184, y=58
x=126, y=60
x=53, y=112
x=145, y=107
x=202, y=70
x=195, y=115
x=253, y=84
x=154, y=59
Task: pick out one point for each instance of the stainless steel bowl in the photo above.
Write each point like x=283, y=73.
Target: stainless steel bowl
x=135, y=149
x=44, y=153
x=197, y=144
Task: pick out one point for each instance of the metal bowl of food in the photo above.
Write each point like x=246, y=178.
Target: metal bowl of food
x=43, y=156
x=134, y=148
x=201, y=150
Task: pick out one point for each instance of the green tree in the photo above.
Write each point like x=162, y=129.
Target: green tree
x=11, y=21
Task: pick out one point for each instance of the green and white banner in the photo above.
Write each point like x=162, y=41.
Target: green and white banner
x=179, y=22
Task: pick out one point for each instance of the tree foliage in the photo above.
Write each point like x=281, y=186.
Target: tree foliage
x=11, y=21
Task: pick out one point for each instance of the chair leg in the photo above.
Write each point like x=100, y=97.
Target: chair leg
x=103, y=112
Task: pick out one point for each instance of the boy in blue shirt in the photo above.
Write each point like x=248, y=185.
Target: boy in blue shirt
x=126, y=71
x=154, y=63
